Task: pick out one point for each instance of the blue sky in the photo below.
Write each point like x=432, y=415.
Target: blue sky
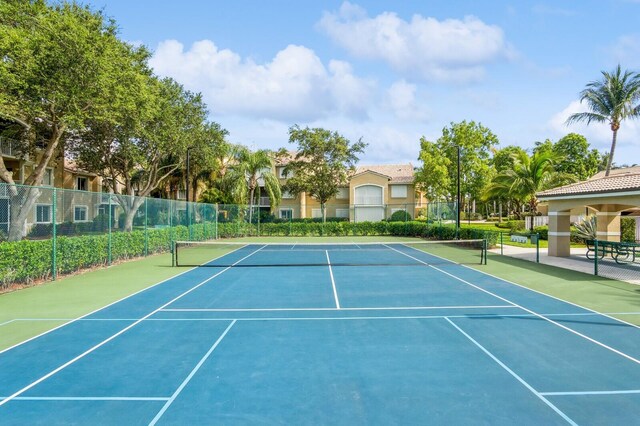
x=390, y=72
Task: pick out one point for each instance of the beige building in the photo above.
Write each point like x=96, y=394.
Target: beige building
x=608, y=197
x=374, y=193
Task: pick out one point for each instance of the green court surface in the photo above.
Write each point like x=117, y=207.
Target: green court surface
x=31, y=311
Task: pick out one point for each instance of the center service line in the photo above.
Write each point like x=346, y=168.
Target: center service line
x=333, y=282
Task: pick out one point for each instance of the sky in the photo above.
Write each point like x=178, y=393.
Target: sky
x=390, y=72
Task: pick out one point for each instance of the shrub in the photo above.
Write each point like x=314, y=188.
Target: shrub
x=516, y=225
x=400, y=216
x=543, y=231
x=628, y=229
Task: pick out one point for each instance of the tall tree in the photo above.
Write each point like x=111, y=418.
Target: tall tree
x=61, y=65
x=323, y=163
x=612, y=99
x=529, y=175
x=575, y=157
x=135, y=153
x=250, y=169
x=475, y=142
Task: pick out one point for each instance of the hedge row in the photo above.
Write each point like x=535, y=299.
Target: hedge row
x=28, y=260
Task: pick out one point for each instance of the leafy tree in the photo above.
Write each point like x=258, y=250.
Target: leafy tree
x=503, y=159
x=323, y=163
x=248, y=171
x=433, y=178
x=438, y=173
x=612, y=99
x=134, y=154
x=529, y=175
x=61, y=65
x=575, y=157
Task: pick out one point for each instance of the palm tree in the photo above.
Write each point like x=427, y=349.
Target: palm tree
x=611, y=100
x=528, y=176
x=249, y=171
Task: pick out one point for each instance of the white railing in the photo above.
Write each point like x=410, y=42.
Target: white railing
x=8, y=147
x=264, y=202
x=369, y=201
x=544, y=220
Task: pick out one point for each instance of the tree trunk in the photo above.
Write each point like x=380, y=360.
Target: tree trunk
x=23, y=199
x=613, y=148
x=251, y=194
x=130, y=205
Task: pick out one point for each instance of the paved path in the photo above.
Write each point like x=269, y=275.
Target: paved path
x=576, y=262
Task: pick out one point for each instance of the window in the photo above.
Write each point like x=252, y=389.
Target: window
x=316, y=213
x=286, y=213
x=43, y=213
x=369, y=195
x=47, y=179
x=342, y=213
x=343, y=194
x=287, y=195
x=282, y=174
x=398, y=191
x=82, y=183
x=80, y=213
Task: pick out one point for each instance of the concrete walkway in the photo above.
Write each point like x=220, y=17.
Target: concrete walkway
x=576, y=262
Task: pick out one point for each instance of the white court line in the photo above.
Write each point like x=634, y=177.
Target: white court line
x=88, y=351
x=333, y=281
x=7, y=322
x=517, y=377
x=618, y=392
x=89, y=398
x=190, y=376
x=110, y=304
x=577, y=333
x=386, y=308
x=526, y=288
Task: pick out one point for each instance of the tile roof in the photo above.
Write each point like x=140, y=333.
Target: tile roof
x=612, y=183
x=616, y=172
x=398, y=173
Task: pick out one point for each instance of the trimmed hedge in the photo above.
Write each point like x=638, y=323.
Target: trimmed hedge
x=30, y=260
x=628, y=229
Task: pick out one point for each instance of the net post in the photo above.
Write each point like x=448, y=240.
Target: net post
x=537, y=246
x=485, y=249
x=54, y=239
x=595, y=257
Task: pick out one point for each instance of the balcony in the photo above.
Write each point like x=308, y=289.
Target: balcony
x=8, y=147
x=264, y=202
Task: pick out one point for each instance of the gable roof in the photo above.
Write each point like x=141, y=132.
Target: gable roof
x=397, y=173
x=617, y=172
x=623, y=182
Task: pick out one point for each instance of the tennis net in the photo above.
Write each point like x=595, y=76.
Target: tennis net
x=252, y=254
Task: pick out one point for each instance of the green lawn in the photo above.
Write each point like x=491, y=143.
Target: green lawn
x=51, y=304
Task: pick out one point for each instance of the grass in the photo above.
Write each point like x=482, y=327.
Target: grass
x=52, y=304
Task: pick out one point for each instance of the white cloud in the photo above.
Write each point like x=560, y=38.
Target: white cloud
x=293, y=86
x=449, y=50
x=598, y=134
x=401, y=99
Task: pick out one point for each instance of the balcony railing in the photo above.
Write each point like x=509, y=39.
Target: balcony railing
x=8, y=147
x=264, y=202
x=369, y=201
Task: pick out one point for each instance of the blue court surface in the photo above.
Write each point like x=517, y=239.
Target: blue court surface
x=383, y=335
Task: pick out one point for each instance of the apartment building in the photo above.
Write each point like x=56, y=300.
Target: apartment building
x=374, y=193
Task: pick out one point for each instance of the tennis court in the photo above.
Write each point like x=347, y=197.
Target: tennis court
x=388, y=333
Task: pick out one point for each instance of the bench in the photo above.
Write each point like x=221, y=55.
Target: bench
x=519, y=239
x=620, y=252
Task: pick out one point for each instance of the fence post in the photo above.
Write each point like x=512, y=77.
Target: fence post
x=215, y=223
x=537, y=247
x=171, y=234
x=485, y=249
x=146, y=227
x=595, y=257
x=501, y=244
x=109, y=233
x=54, y=258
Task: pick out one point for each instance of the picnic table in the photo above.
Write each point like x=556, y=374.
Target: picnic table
x=621, y=252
